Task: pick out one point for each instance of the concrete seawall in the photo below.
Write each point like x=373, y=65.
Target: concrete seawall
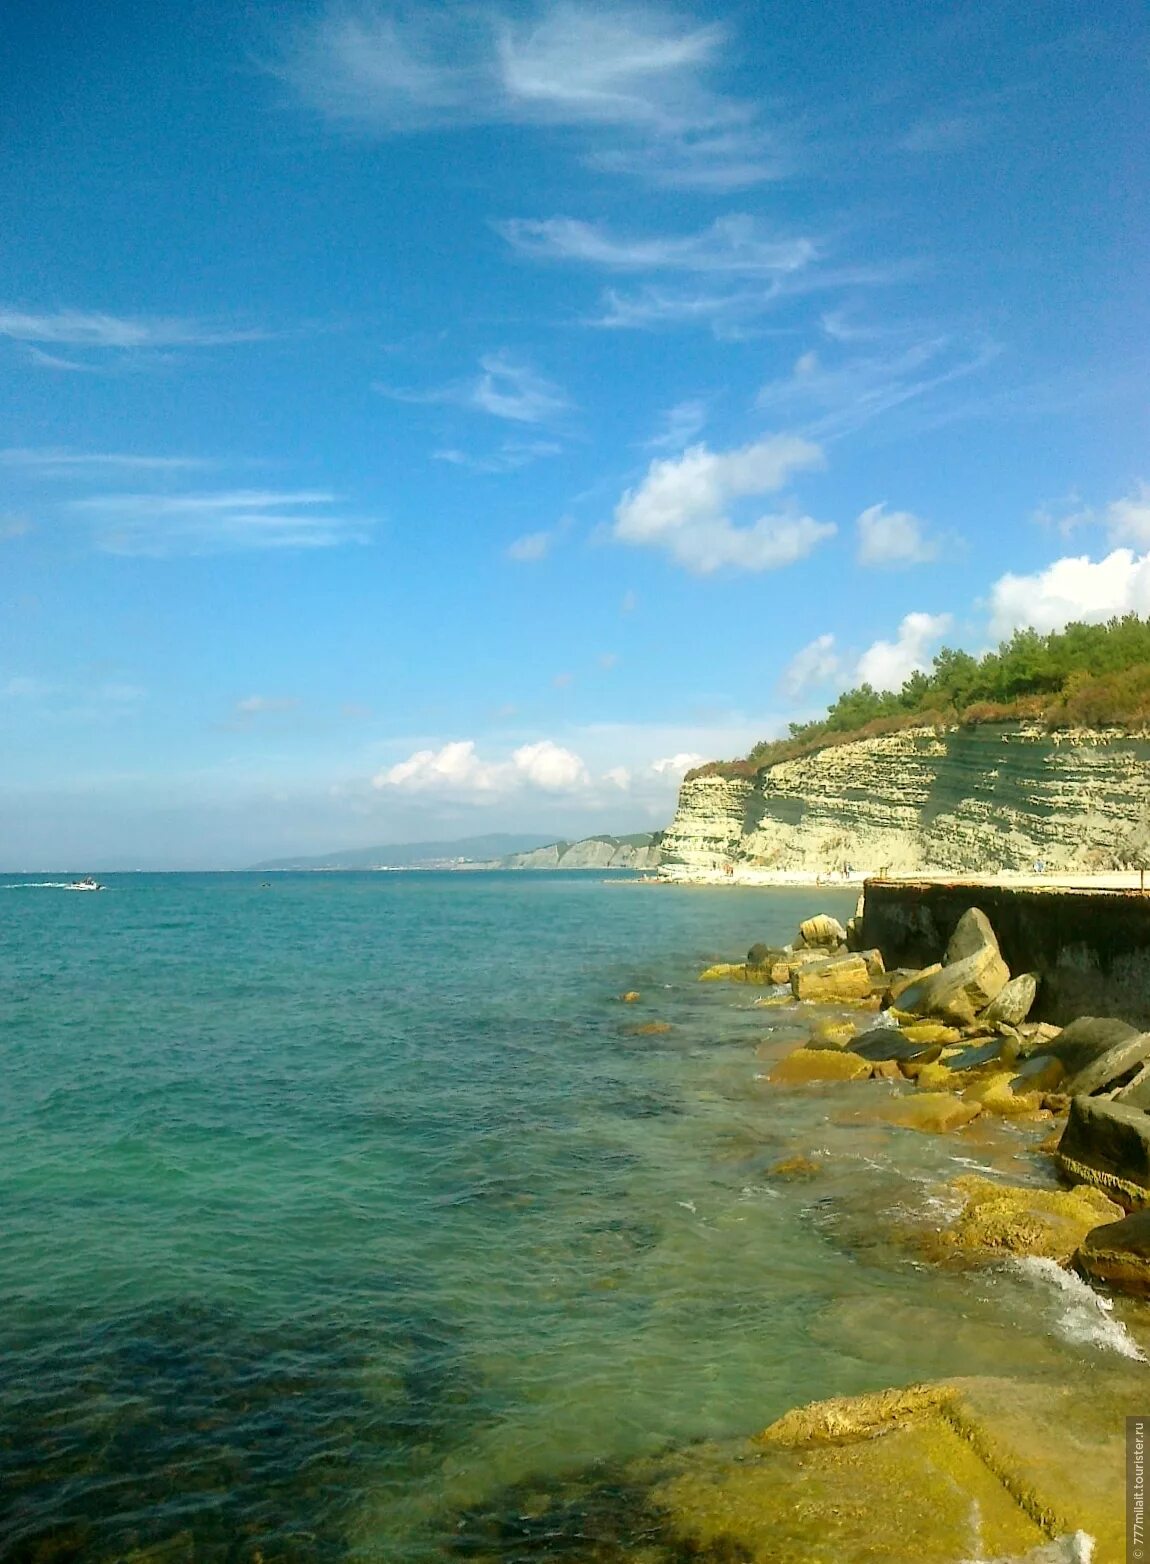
x=1090, y=948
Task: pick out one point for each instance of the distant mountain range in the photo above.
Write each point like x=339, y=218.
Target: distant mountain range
x=499, y=850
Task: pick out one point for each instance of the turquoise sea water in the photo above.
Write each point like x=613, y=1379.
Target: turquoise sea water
x=336, y=1209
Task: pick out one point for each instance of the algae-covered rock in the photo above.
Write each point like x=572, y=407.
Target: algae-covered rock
x=832, y=1034
x=649, y=1029
x=724, y=971
x=1109, y=1068
x=795, y=1167
x=937, y=1077
x=1012, y=1004
x=808, y=1065
x=1021, y=1220
x=1118, y=1254
x=1108, y=1144
x=931, y=1032
x=631, y=997
x=845, y=1418
x=933, y=1113
x=996, y=1093
x=838, y=977
x=823, y=931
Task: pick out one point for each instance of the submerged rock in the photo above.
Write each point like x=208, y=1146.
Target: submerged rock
x=824, y=1064
x=933, y=1113
x=1108, y=1144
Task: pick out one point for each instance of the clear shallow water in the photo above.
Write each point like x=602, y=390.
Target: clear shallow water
x=333, y=1209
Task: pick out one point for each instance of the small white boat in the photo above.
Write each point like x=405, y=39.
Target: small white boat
x=88, y=883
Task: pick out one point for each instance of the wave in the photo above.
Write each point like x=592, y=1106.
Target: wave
x=1085, y=1318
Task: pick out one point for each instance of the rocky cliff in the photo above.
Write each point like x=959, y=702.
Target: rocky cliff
x=975, y=799
x=594, y=852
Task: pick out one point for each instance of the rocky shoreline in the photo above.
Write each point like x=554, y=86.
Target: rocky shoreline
x=1022, y=1468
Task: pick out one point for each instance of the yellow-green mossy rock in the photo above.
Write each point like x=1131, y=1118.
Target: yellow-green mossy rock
x=832, y=1034
x=934, y=1113
x=725, y=971
x=796, y=1167
x=840, y=977
x=1018, y=1220
x=823, y=930
x=932, y=1032
x=997, y=1095
x=937, y=1078
x=649, y=1029
x=823, y=1064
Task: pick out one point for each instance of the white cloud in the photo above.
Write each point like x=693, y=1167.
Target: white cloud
x=1128, y=519
x=458, y=770
x=57, y=462
x=888, y=664
x=218, y=522
x=89, y=329
x=534, y=546
x=836, y=399
x=1071, y=589
x=682, y=506
x=817, y=663
x=681, y=424
x=734, y=245
x=676, y=766
x=505, y=387
x=257, y=705
x=512, y=456
x=634, y=75
x=893, y=537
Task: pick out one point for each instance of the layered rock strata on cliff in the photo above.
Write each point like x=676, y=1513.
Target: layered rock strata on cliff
x=975, y=800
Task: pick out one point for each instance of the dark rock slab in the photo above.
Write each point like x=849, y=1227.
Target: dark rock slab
x=887, y=1042
x=974, y=1058
x=1108, y=1144
x=1111, y=1067
x=1085, y=1040
x=1118, y=1253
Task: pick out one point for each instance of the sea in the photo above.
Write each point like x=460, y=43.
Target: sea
x=357, y=1216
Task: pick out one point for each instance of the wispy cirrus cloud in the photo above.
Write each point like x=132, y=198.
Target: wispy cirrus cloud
x=736, y=245
x=534, y=546
x=218, y=522
x=831, y=399
x=61, y=462
x=511, y=456
x=635, y=82
x=684, y=506
x=681, y=424
x=505, y=387
x=91, y=329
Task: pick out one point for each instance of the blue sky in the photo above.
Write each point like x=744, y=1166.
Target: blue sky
x=426, y=419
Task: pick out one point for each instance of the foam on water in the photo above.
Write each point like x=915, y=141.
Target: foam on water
x=1083, y=1316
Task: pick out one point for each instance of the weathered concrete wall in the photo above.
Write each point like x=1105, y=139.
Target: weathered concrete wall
x=1091, y=949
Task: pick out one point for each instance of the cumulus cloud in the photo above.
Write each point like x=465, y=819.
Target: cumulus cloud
x=817, y=663
x=683, y=505
x=888, y=664
x=893, y=537
x=676, y=765
x=1075, y=588
x=458, y=770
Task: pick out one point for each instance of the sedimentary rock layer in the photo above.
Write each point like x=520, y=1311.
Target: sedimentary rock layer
x=974, y=800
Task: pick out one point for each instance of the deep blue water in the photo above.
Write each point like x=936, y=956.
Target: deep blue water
x=332, y=1205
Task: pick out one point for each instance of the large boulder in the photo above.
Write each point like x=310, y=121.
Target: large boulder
x=1118, y=1253
x=973, y=975
x=1108, y=1144
x=823, y=932
x=972, y=933
x=838, y=977
x=1083, y=1041
x=1011, y=1005
x=1109, y=1068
